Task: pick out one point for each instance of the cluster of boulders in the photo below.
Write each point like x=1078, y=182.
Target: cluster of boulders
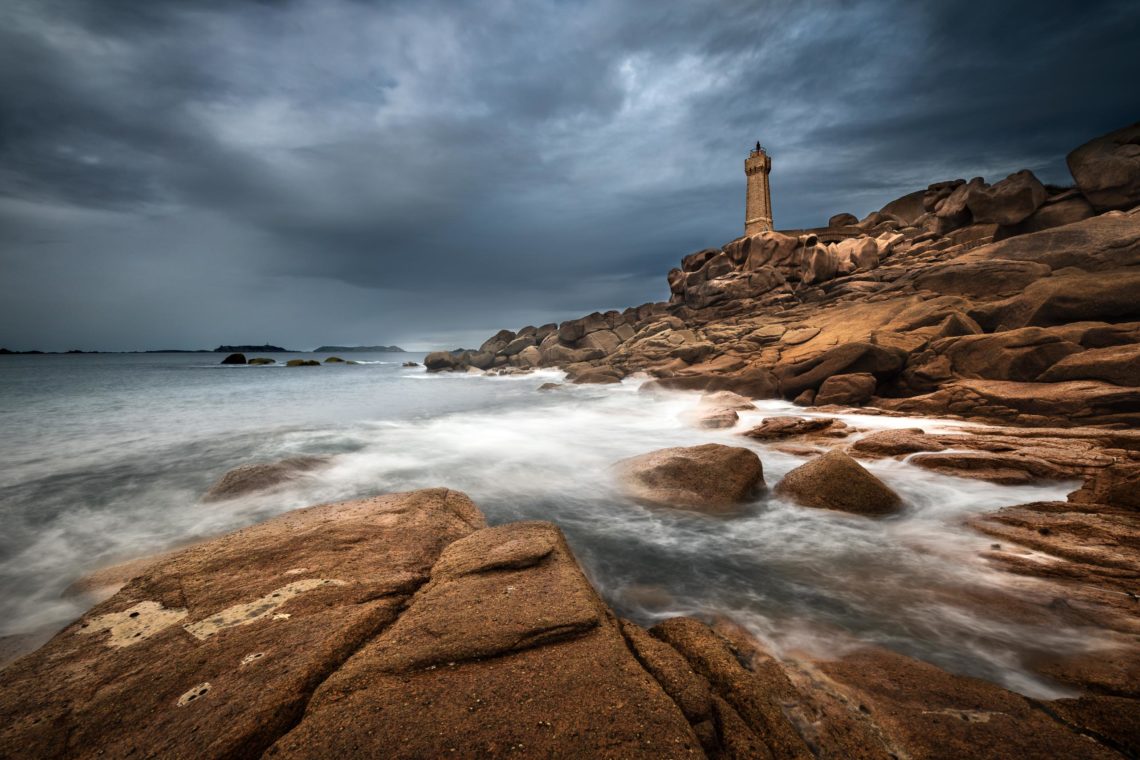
x=1014, y=302
x=718, y=479
x=240, y=359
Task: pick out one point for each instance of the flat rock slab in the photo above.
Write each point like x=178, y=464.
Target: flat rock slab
x=391, y=627
x=506, y=651
x=215, y=651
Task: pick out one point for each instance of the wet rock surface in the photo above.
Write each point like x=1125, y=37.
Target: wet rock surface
x=125, y=679
x=709, y=478
x=266, y=476
x=836, y=481
x=401, y=626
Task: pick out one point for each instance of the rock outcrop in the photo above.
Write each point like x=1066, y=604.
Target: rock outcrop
x=308, y=636
x=1107, y=169
x=941, y=290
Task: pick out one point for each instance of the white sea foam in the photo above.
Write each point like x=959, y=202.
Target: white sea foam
x=127, y=484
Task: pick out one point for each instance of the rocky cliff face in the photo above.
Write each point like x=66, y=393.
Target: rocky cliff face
x=403, y=627
x=1012, y=301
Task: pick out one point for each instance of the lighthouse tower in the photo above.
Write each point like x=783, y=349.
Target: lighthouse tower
x=758, y=204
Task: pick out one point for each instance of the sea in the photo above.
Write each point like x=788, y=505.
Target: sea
x=105, y=457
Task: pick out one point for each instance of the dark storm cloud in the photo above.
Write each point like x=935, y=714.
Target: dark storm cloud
x=313, y=171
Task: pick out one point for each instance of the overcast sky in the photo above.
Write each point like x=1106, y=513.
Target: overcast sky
x=182, y=173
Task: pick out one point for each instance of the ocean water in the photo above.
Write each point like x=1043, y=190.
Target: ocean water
x=104, y=458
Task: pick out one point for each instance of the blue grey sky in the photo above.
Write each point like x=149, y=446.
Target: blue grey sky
x=192, y=172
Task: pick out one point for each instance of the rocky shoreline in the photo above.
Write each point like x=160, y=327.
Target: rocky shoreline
x=1013, y=303
x=404, y=626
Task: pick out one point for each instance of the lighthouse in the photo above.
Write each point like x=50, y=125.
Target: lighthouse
x=758, y=202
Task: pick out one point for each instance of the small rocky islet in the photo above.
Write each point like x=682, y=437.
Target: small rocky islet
x=403, y=626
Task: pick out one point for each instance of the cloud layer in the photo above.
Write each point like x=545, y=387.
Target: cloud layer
x=180, y=174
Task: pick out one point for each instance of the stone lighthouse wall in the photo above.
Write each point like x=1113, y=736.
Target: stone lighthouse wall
x=758, y=205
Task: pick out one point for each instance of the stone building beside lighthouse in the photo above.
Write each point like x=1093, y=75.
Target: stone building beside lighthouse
x=758, y=203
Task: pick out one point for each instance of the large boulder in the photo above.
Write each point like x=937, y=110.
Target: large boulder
x=517, y=345
x=954, y=211
x=1020, y=355
x=1107, y=169
x=507, y=646
x=573, y=330
x=1007, y=202
x=765, y=249
x=907, y=208
x=695, y=261
x=783, y=427
x=560, y=355
x=1114, y=364
x=881, y=361
x=497, y=342
x=1105, y=242
x=843, y=220
x=215, y=651
x=856, y=254
x=853, y=389
x=933, y=196
x=437, y=361
x=1117, y=485
x=836, y=481
x=254, y=478
x=1072, y=297
x=1064, y=404
x=396, y=627
x=986, y=277
x=1057, y=212
x=234, y=359
x=605, y=341
x=820, y=263
x=710, y=478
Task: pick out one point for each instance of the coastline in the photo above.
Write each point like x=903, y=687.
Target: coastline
x=403, y=625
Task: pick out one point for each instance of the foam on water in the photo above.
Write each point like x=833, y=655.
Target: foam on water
x=114, y=481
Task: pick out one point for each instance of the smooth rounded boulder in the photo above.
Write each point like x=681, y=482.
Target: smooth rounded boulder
x=234, y=359
x=1107, y=169
x=264, y=476
x=836, y=481
x=853, y=389
x=711, y=478
x=1010, y=201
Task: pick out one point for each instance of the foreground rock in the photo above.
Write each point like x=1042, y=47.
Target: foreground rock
x=234, y=359
x=215, y=651
x=526, y=661
x=306, y=636
x=836, y=481
x=1088, y=548
x=711, y=478
x=871, y=703
x=253, y=478
x=402, y=627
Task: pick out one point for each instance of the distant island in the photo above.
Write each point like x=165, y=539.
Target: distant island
x=266, y=349
x=345, y=349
